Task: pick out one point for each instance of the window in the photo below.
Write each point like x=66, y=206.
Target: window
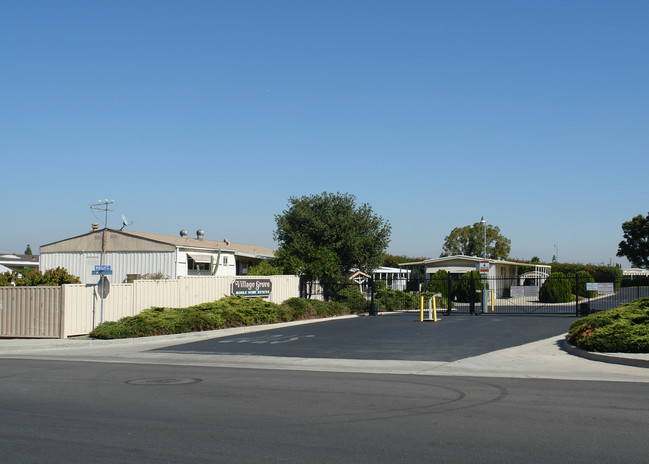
x=225, y=260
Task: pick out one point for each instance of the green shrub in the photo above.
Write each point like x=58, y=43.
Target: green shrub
x=301, y=308
x=439, y=283
x=28, y=277
x=623, y=329
x=556, y=289
x=608, y=274
x=395, y=300
x=231, y=311
x=581, y=279
x=352, y=297
x=465, y=292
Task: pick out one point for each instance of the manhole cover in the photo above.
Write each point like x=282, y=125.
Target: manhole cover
x=165, y=381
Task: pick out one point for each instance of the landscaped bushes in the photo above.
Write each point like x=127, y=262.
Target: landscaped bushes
x=607, y=274
x=395, y=300
x=231, y=311
x=556, y=289
x=29, y=277
x=623, y=329
x=352, y=297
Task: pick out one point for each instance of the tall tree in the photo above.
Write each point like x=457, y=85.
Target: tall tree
x=635, y=245
x=469, y=241
x=327, y=235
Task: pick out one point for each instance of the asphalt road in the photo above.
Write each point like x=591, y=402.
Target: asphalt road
x=399, y=336
x=80, y=412
x=488, y=389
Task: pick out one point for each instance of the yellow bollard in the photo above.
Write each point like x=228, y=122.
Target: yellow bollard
x=421, y=316
x=492, y=301
x=434, y=309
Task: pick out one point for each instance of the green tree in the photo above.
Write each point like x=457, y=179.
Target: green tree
x=267, y=267
x=635, y=245
x=28, y=250
x=325, y=236
x=469, y=241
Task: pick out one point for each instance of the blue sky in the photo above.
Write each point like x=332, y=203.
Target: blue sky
x=211, y=114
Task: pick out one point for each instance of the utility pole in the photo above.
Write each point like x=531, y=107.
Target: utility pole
x=103, y=280
x=103, y=206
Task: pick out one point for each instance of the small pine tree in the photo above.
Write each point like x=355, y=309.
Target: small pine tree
x=556, y=289
x=28, y=250
x=465, y=291
x=439, y=284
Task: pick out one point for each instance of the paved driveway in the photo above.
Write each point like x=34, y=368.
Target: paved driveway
x=399, y=336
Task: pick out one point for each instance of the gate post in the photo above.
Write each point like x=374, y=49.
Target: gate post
x=448, y=294
x=374, y=309
x=471, y=296
x=577, y=294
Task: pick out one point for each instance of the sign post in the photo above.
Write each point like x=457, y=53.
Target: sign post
x=103, y=287
x=484, y=272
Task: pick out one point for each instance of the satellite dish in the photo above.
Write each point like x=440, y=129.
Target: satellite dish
x=125, y=222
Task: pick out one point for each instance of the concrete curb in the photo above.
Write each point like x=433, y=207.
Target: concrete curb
x=626, y=359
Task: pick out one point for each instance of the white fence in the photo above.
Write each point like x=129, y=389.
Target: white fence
x=60, y=312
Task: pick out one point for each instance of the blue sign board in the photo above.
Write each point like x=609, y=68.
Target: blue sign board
x=102, y=270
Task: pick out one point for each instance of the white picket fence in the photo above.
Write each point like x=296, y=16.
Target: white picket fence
x=70, y=310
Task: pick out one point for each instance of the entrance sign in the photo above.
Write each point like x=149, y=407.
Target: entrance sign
x=605, y=288
x=519, y=291
x=602, y=288
x=484, y=267
x=252, y=287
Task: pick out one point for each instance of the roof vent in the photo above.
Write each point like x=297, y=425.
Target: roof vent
x=200, y=233
x=95, y=226
x=183, y=233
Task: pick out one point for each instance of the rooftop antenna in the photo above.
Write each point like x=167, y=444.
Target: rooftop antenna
x=99, y=206
x=102, y=205
x=125, y=222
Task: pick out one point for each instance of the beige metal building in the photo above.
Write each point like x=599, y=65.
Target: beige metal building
x=132, y=255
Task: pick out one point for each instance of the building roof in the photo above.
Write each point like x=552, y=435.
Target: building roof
x=156, y=242
x=390, y=270
x=4, y=269
x=18, y=261
x=445, y=259
x=635, y=271
x=186, y=242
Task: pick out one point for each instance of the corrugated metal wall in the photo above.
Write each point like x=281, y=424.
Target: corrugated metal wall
x=30, y=312
x=37, y=311
x=121, y=263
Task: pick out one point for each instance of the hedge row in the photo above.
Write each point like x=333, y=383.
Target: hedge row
x=231, y=311
x=623, y=329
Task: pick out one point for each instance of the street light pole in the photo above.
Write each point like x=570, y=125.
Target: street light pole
x=484, y=284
